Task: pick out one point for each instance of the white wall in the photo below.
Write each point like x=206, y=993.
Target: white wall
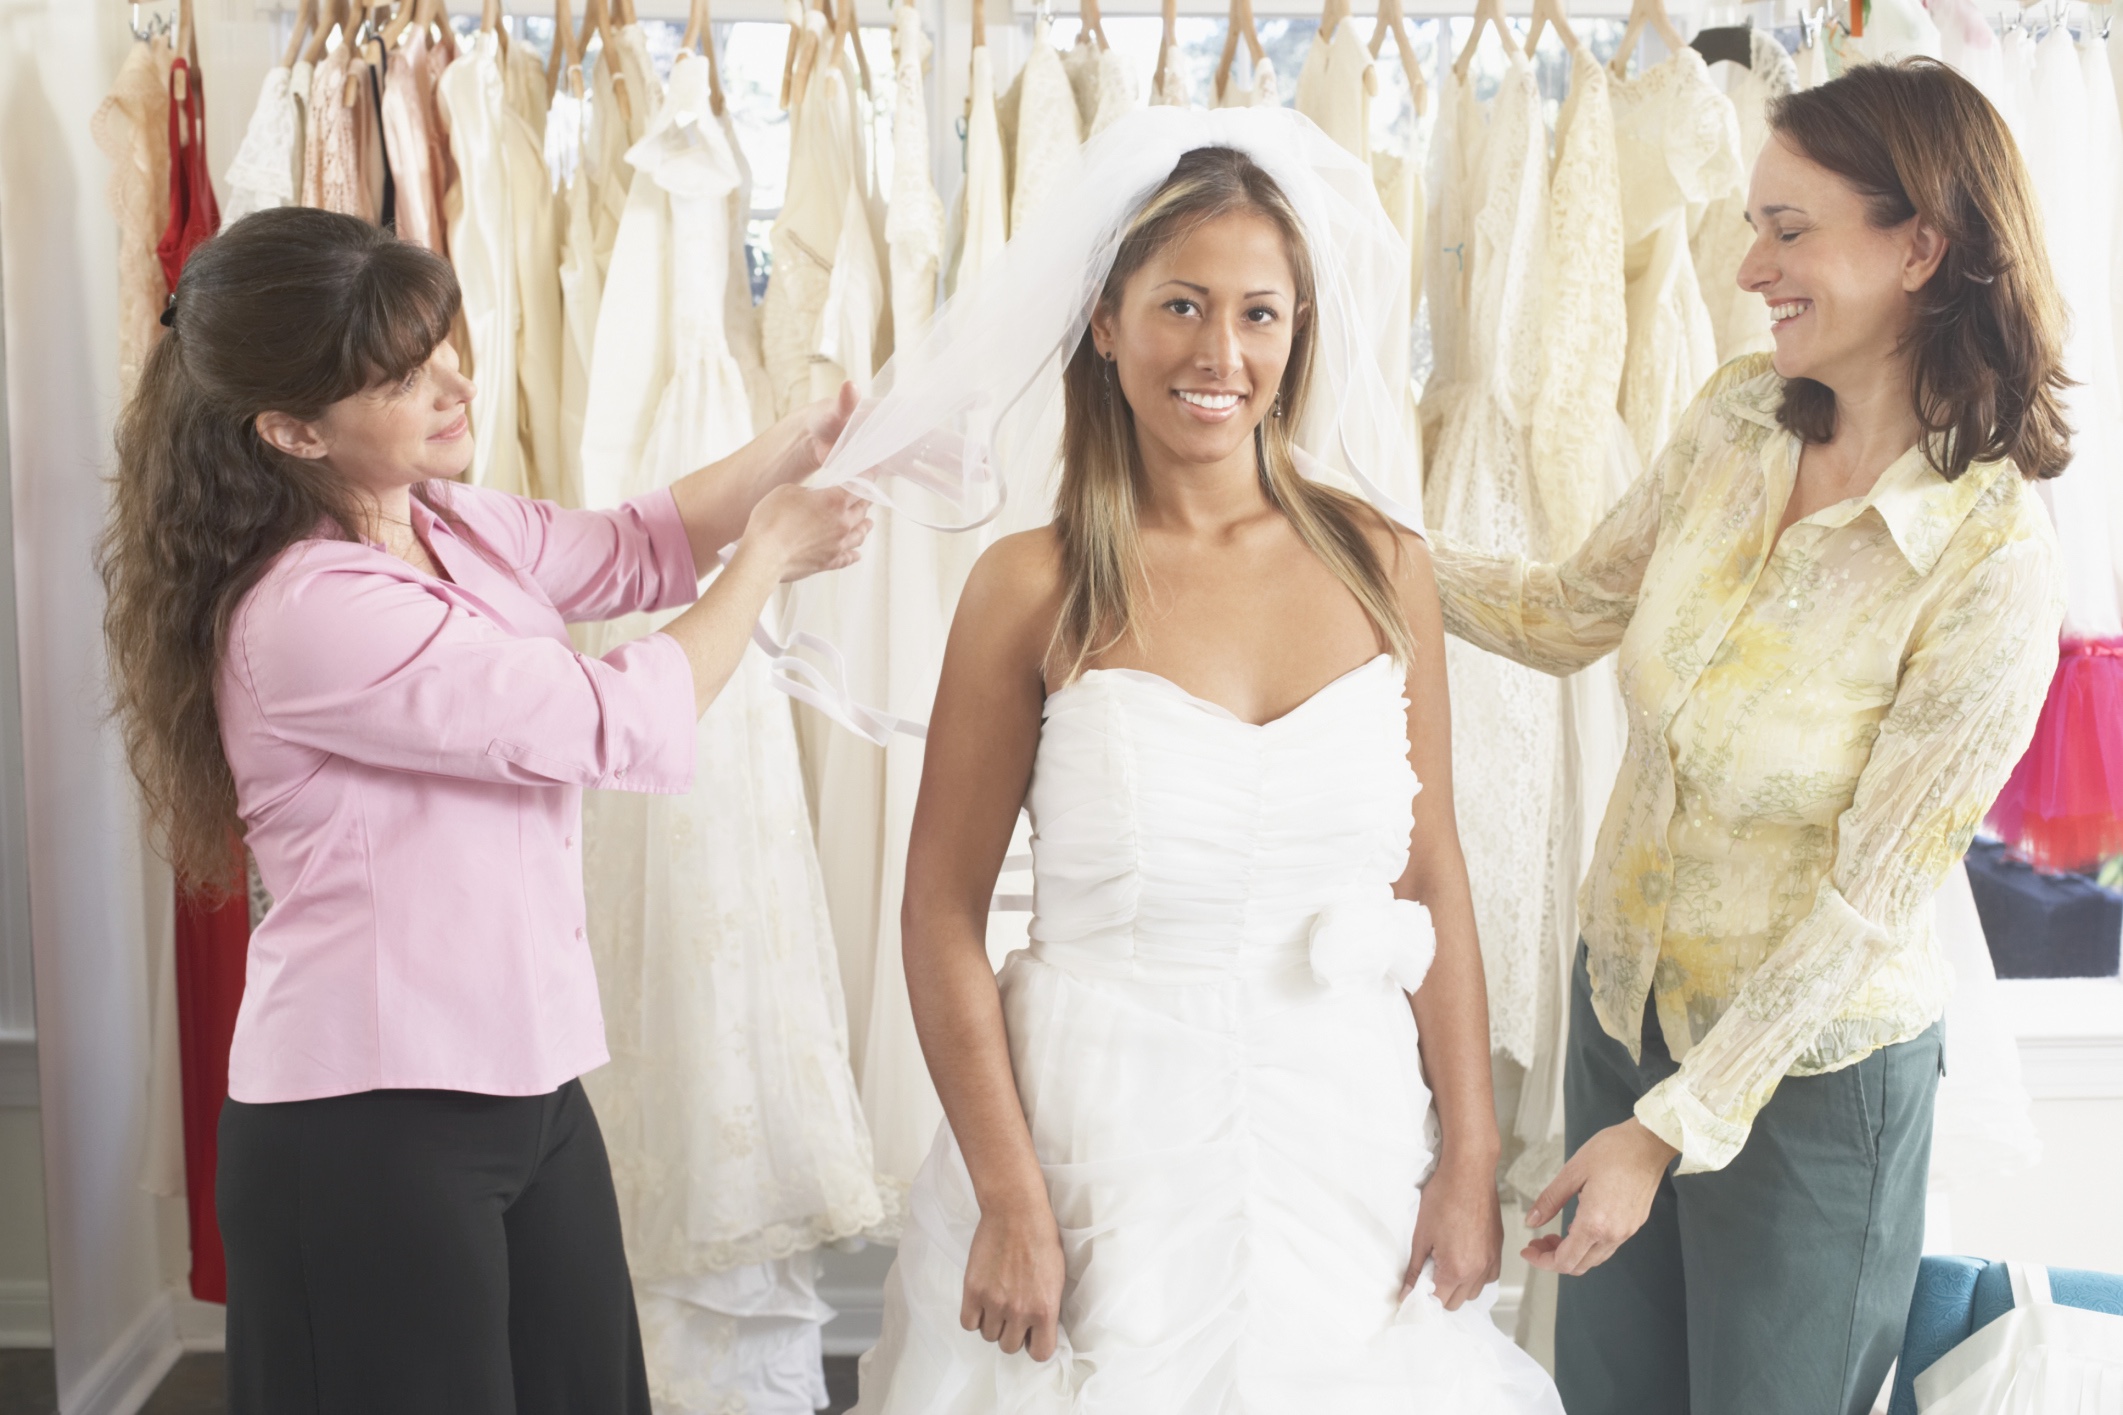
x=2063, y=1211
x=110, y=1300
x=25, y=1309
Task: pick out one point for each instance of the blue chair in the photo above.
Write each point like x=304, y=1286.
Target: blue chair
x=1957, y=1297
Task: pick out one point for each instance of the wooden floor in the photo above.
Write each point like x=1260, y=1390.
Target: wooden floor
x=194, y=1386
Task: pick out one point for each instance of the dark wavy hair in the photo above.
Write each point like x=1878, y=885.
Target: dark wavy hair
x=1915, y=139
x=288, y=311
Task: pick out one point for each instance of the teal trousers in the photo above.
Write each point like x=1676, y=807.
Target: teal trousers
x=1777, y=1285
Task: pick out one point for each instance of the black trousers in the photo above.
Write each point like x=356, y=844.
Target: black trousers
x=425, y=1253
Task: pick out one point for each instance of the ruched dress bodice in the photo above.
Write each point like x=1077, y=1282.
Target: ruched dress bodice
x=1175, y=842
x=1212, y=1041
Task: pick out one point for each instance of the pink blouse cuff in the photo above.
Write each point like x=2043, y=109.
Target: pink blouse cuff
x=654, y=750
x=671, y=547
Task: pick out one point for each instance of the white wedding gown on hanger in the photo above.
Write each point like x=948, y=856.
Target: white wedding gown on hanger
x=737, y=1142
x=1506, y=719
x=1679, y=143
x=1220, y=1072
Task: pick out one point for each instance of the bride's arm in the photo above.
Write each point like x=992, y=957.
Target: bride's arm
x=1460, y=1225
x=978, y=763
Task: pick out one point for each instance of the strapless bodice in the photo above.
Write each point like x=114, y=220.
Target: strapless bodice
x=1173, y=841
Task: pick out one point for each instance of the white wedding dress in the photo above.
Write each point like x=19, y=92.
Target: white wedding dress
x=1480, y=493
x=1221, y=1076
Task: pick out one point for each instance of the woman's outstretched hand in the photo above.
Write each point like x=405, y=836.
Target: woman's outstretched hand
x=1460, y=1229
x=1014, y=1279
x=806, y=531
x=1614, y=1175
x=813, y=429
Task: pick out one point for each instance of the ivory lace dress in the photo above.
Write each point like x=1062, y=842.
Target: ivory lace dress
x=824, y=306
x=1220, y=1071
x=737, y=1142
x=267, y=169
x=1334, y=88
x=1265, y=91
x=506, y=248
x=1679, y=143
x=984, y=217
x=1506, y=720
x=1721, y=235
x=1049, y=131
x=1581, y=460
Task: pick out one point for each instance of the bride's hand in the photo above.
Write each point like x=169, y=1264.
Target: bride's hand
x=1014, y=1280
x=1460, y=1228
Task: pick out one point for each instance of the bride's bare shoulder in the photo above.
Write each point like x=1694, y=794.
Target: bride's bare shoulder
x=1012, y=599
x=1018, y=577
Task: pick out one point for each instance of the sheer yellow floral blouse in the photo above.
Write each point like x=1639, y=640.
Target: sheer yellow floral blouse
x=1816, y=724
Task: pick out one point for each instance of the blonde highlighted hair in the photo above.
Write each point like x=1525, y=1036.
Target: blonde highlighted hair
x=1102, y=470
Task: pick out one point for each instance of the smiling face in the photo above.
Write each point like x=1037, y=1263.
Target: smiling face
x=393, y=435
x=1840, y=289
x=1199, y=338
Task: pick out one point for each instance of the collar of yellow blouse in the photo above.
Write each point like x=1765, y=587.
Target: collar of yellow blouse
x=1921, y=509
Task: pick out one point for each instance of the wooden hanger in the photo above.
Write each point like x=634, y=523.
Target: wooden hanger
x=980, y=22
x=597, y=20
x=332, y=16
x=1642, y=13
x=400, y=21
x=846, y=28
x=1392, y=21
x=1551, y=12
x=491, y=21
x=562, y=57
x=699, y=38
x=1164, y=46
x=1095, y=27
x=1487, y=12
x=1331, y=17
x=305, y=21
x=802, y=57
x=187, y=49
x=1238, y=26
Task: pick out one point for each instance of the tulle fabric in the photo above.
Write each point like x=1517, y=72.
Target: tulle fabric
x=969, y=416
x=1222, y=1080
x=2063, y=807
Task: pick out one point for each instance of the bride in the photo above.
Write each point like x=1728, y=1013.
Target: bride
x=1221, y=1138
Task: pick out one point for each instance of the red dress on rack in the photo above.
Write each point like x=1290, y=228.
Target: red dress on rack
x=213, y=941
x=2063, y=807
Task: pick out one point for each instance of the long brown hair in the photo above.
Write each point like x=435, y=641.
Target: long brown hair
x=288, y=311
x=1102, y=469
x=1915, y=139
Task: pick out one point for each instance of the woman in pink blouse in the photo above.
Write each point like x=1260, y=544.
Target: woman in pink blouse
x=322, y=641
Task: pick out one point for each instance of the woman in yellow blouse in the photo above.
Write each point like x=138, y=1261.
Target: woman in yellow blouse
x=1836, y=602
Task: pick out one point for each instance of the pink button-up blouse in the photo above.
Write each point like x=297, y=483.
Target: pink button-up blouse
x=409, y=756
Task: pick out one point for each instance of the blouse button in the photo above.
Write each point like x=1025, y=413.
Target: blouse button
x=579, y=933
x=567, y=842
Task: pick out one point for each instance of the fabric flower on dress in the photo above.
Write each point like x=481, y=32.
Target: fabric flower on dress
x=1360, y=944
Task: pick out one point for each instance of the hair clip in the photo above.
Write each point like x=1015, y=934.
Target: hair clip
x=169, y=311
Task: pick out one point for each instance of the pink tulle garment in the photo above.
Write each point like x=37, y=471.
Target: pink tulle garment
x=2063, y=807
